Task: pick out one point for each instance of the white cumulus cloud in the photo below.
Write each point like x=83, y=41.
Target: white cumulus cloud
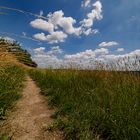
x=48, y=58
x=39, y=50
x=95, y=14
x=66, y=23
x=86, y=3
x=108, y=44
x=87, y=54
x=40, y=36
x=88, y=59
x=43, y=25
x=58, y=24
x=54, y=37
x=120, y=49
x=55, y=50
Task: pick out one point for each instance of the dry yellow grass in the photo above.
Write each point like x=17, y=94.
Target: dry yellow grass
x=9, y=59
x=14, y=53
x=5, y=57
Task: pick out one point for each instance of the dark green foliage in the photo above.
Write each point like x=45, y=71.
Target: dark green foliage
x=93, y=104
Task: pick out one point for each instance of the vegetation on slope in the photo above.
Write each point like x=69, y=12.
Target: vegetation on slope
x=93, y=104
x=13, y=63
x=16, y=50
x=11, y=81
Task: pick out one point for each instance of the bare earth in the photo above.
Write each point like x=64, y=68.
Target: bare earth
x=31, y=116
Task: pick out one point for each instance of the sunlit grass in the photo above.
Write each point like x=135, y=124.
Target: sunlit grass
x=11, y=81
x=12, y=75
x=93, y=104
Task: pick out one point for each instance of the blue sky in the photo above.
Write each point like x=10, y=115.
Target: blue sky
x=74, y=30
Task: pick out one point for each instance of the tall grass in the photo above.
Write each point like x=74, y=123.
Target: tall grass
x=93, y=104
x=11, y=81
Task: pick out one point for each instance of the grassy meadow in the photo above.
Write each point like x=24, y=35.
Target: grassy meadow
x=11, y=81
x=93, y=104
x=90, y=104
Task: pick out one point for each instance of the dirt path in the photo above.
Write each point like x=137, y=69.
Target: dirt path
x=31, y=116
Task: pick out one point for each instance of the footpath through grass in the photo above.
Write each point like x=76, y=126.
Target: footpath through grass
x=92, y=104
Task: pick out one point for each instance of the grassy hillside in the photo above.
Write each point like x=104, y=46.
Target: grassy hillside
x=13, y=63
x=11, y=82
x=93, y=104
x=14, y=49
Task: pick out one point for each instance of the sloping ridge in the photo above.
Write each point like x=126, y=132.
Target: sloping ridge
x=14, y=49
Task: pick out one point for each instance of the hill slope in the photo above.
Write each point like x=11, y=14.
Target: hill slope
x=14, y=50
x=13, y=63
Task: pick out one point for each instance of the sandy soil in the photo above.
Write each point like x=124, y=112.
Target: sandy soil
x=31, y=116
